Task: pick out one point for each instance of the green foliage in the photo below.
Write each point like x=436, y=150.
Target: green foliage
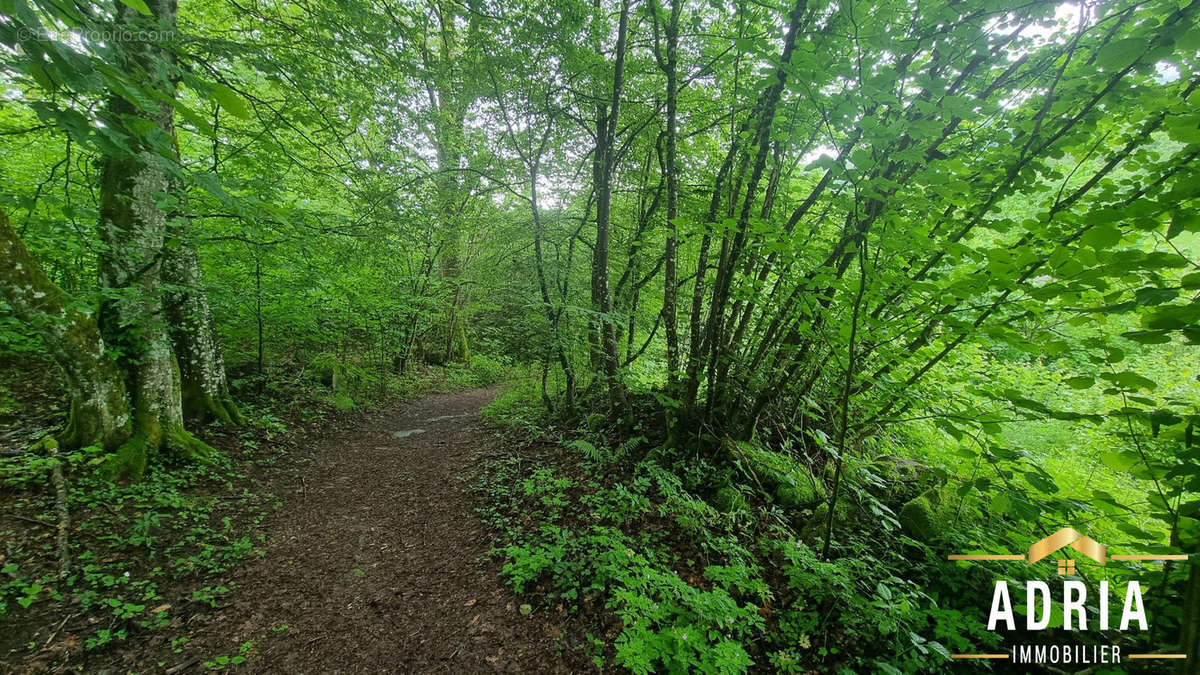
x=780, y=475
x=517, y=409
x=958, y=276
x=918, y=519
x=182, y=526
x=585, y=543
x=729, y=500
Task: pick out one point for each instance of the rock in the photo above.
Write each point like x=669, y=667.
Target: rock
x=917, y=518
x=814, y=528
x=791, y=483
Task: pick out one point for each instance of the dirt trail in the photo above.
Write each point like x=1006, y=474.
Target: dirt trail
x=374, y=561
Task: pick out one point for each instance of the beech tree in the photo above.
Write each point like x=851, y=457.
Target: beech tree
x=147, y=355
x=844, y=236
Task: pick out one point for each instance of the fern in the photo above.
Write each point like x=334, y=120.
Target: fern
x=589, y=451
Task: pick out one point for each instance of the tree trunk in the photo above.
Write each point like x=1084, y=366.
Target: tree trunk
x=602, y=172
x=553, y=315
x=133, y=231
x=449, y=98
x=203, y=388
x=670, y=284
x=99, y=411
x=714, y=339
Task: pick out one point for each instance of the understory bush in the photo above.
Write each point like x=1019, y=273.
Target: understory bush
x=700, y=587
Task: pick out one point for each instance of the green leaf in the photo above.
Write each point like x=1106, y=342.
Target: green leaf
x=1102, y=237
x=1155, y=296
x=1181, y=221
x=1165, y=418
x=1120, y=53
x=1102, y=497
x=1135, y=531
x=1129, y=380
x=201, y=124
x=1147, y=337
x=1120, y=460
x=230, y=100
x=1042, y=482
x=1080, y=382
x=138, y=6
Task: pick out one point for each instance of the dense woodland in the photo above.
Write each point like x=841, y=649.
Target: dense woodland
x=794, y=299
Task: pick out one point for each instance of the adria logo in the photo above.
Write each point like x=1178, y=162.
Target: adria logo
x=1074, y=597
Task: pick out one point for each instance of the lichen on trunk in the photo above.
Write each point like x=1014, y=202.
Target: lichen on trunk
x=100, y=413
x=133, y=229
x=204, y=389
x=127, y=407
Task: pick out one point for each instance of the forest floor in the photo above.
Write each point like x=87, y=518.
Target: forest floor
x=375, y=562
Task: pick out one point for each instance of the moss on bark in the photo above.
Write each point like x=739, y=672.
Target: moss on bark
x=204, y=388
x=201, y=406
x=99, y=410
x=129, y=461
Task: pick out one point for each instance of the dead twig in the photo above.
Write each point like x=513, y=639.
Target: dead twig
x=30, y=520
x=57, y=630
x=64, y=514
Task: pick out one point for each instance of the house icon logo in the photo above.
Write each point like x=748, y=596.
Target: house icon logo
x=1062, y=539
x=1066, y=540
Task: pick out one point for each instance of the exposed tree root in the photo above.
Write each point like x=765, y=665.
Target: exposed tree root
x=64, y=514
x=184, y=445
x=129, y=460
x=220, y=407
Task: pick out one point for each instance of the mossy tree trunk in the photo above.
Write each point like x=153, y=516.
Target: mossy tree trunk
x=120, y=366
x=204, y=389
x=100, y=413
x=133, y=228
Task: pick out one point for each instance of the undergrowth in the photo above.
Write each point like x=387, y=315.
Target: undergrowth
x=143, y=556
x=150, y=555
x=696, y=565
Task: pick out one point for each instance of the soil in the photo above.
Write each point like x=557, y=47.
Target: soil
x=376, y=562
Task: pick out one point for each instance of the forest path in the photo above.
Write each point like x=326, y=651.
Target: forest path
x=374, y=562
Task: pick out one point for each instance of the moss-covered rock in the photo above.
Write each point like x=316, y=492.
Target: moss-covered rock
x=730, y=499
x=802, y=495
x=342, y=402
x=791, y=483
x=813, y=529
x=918, y=517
